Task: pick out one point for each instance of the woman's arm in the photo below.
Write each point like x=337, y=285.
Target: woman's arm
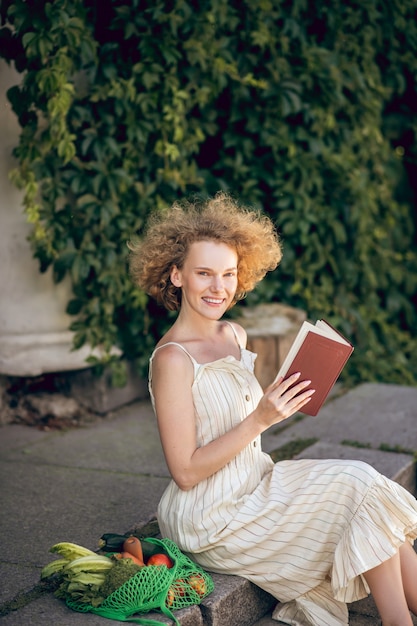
x=172, y=378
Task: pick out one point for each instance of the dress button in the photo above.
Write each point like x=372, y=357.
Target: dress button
x=254, y=444
x=247, y=397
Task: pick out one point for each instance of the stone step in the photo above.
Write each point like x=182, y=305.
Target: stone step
x=362, y=613
x=234, y=602
x=362, y=423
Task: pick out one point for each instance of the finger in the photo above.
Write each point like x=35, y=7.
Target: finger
x=285, y=383
x=299, y=401
x=287, y=404
x=295, y=390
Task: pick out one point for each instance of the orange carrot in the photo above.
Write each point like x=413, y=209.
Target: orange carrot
x=133, y=546
x=127, y=555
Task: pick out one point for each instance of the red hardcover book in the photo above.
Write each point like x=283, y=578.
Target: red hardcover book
x=320, y=353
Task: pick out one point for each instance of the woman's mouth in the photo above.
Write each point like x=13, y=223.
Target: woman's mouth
x=214, y=301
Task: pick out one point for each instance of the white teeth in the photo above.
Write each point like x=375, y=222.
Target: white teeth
x=214, y=300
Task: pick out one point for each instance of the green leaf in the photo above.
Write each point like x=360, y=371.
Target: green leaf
x=74, y=306
x=80, y=269
x=87, y=199
x=28, y=38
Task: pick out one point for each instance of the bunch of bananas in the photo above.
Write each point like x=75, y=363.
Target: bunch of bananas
x=82, y=572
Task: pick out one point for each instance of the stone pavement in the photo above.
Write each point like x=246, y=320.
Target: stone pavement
x=108, y=477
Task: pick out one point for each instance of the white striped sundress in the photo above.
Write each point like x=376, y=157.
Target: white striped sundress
x=302, y=530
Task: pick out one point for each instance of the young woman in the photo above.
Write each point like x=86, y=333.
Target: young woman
x=315, y=534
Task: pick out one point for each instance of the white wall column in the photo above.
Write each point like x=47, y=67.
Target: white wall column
x=34, y=335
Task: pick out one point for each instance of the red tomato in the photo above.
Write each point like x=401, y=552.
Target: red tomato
x=197, y=582
x=160, y=559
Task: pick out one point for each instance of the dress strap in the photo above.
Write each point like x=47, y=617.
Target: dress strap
x=235, y=334
x=174, y=343
x=169, y=343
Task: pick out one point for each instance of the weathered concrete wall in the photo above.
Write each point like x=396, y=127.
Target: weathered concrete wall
x=34, y=336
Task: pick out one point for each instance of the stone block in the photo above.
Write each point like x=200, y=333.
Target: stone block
x=395, y=465
x=235, y=601
x=271, y=329
x=98, y=394
x=190, y=616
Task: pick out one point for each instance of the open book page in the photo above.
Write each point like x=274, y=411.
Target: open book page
x=330, y=331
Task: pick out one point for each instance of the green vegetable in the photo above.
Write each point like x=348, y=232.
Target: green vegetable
x=82, y=579
x=149, y=549
x=122, y=570
x=112, y=542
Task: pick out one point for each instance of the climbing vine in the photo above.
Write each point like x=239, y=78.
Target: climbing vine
x=127, y=105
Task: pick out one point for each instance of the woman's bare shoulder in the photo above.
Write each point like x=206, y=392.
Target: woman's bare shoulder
x=240, y=332
x=170, y=354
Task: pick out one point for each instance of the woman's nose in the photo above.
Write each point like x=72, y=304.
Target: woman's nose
x=217, y=283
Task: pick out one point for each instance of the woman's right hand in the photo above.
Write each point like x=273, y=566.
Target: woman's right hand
x=283, y=398
x=189, y=463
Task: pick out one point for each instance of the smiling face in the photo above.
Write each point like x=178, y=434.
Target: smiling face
x=208, y=278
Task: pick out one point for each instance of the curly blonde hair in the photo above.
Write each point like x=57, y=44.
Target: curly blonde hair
x=170, y=233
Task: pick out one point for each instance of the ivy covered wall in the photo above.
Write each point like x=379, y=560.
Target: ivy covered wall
x=302, y=109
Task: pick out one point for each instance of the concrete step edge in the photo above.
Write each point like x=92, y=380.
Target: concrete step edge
x=234, y=602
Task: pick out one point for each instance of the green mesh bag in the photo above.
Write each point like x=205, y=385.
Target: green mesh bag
x=155, y=588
